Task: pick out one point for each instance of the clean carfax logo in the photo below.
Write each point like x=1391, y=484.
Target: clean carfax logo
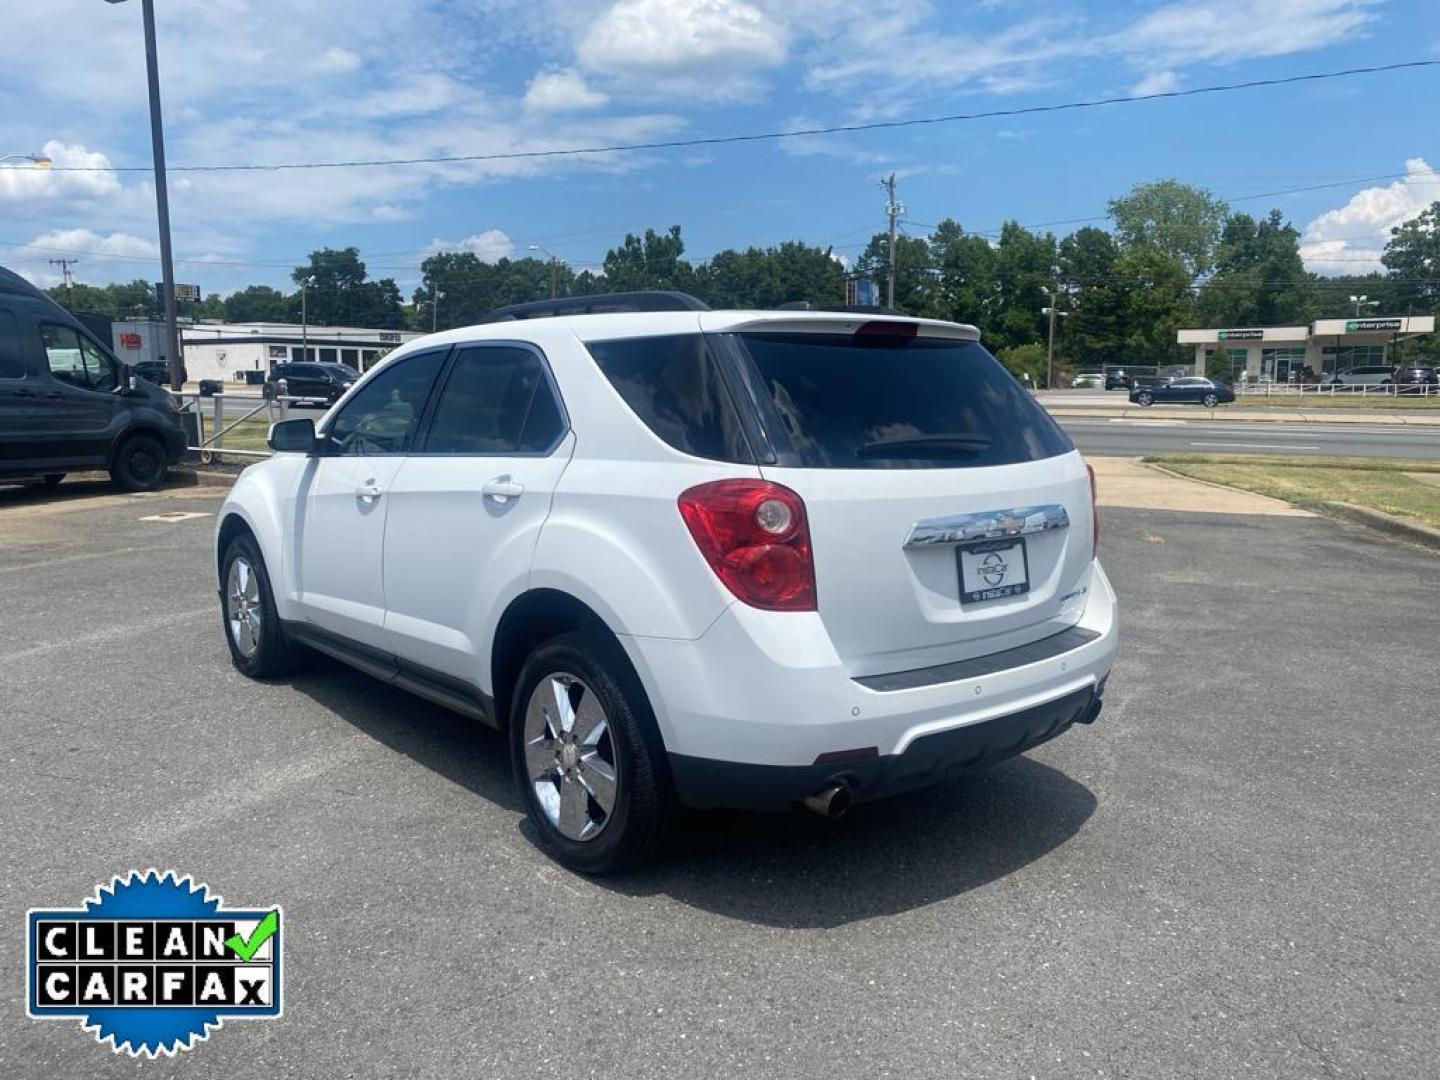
x=152, y=963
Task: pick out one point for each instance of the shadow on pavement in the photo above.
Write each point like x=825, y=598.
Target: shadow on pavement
x=462, y=750
x=786, y=870
x=800, y=871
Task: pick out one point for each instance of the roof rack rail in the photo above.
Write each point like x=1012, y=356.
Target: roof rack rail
x=848, y=309
x=601, y=302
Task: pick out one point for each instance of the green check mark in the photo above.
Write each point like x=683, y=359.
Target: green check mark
x=244, y=948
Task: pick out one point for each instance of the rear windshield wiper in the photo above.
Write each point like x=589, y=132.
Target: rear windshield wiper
x=926, y=446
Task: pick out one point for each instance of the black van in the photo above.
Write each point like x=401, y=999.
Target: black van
x=66, y=403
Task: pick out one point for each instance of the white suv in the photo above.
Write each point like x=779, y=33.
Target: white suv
x=687, y=557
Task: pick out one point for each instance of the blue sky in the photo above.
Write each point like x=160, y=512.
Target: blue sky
x=286, y=80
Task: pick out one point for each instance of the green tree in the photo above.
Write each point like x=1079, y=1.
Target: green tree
x=962, y=286
x=340, y=293
x=649, y=262
x=258, y=303
x=1413, y=258
x=913, y=268
x=1023, y=360
x=1259, y=279
x=767, y=277
x=1156, y=302
x=1093, y=334
x=1025, y=268
x=119, y=300
x=1175, y=219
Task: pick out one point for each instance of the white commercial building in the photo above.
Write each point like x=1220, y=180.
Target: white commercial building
x=1326, y=346
x=229, y=352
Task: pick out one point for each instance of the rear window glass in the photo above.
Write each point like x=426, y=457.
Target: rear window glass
x=894, y=403
x=674, y=385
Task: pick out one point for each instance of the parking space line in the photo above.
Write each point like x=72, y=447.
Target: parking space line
x=1256, y=446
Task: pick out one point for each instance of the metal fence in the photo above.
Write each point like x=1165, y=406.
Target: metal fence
x=214, y=420
x=1272, y=389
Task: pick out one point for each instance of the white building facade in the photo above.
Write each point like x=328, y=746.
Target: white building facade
x=1326, y=346
x=245, y=352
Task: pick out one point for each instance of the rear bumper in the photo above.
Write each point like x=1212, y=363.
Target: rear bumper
x=757, y=710
x=930, y=759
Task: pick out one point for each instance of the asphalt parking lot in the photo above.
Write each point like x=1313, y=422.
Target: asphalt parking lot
x=1232, y=874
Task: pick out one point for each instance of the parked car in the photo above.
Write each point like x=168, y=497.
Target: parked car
x=158, y=371
x=1415, y=379
x=1193, y=388
x=1117, y=380
x=66, y=403
x=1088, y=380
x=677, y=567
x=1374, y=375
x=318, y=383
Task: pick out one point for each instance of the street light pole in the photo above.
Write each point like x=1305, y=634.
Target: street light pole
x=305, y=319
x=162, y=196
x=1050, y=349
x=554, y=270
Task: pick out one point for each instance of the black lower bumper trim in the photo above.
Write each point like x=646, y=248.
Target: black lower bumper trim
x=705, y=782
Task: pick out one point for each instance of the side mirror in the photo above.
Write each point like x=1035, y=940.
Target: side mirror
x=293, y=436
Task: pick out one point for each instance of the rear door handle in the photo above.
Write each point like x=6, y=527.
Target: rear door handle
x=502, y=489
x=55, y=395
x=369, y=491
x=24, y=393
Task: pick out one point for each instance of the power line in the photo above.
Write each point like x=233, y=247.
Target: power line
x=773, y=136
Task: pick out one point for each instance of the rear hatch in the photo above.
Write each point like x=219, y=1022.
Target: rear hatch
x=950, y=517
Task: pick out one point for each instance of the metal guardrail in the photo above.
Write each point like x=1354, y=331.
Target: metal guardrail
x=1332, y=389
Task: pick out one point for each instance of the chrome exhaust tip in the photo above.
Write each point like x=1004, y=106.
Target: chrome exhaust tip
x=830, y=802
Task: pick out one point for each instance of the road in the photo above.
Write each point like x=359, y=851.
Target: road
x=1129, y=437
x=1231, y=874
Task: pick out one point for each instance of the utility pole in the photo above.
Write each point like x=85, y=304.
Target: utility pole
x=435, y=296
x=893, y=210
x=554, y=277
x=162, y=197
x=305, y=320
x=1051, y=311
x=65, y=265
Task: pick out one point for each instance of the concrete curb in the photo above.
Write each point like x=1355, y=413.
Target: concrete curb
x=201, y=478
x=1410, y=531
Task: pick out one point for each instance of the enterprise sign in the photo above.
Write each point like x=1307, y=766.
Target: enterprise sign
x=1242, y=335
x=1372, y=326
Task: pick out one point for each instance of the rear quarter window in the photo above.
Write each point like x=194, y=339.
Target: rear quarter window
x=673, y=383
x=844, y=402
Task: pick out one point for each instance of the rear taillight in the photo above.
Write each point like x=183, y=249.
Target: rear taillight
x=1094, y=515
x=755, y=537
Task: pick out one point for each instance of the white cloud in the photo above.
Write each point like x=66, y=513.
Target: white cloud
x=1226, y=31
x=702, y=49
x=561, y=91
x=1350, y=239
x=338, y=61
x=24, y=181
x=1157, y=82
x=114, y=256
x=488, y=246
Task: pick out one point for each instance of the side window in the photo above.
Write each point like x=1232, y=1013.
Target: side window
x=382, y=417
x=77, y=361
x=496, y=401
x=674, y=385
x=12, y=356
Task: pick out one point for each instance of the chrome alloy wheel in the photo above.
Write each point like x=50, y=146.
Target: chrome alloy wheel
x=243, y=613
x=570, y=756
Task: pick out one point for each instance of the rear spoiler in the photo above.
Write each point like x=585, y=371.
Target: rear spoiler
x=826, y=322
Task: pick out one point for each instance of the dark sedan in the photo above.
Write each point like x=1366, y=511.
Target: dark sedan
x=1195, y=390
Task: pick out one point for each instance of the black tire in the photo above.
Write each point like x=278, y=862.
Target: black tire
x=140, y=464
x=275, y=654
x=52, y=480
x=1210, y=401
x=644, y=807
x=1145, y=400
